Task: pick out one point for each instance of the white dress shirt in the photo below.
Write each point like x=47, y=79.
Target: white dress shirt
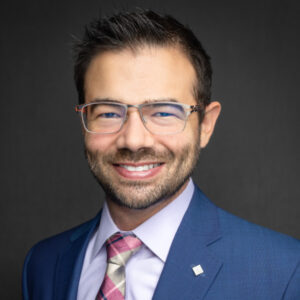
x=143, y=269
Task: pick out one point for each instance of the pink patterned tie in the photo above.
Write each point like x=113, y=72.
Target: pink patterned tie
x=119, y=248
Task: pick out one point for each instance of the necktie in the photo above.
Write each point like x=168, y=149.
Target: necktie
x=119, y=249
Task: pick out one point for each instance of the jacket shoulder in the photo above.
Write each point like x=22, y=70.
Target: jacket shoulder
x=55, y=244
x=234, y=227
x=273, y=255
x=41, y=260
x=255, y=256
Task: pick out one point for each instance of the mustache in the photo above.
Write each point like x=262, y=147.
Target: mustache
x=134, y=156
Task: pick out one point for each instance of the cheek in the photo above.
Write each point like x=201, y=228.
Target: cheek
x=175, y=142
x=99, y=142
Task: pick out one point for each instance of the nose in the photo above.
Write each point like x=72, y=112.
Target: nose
x=134, y=136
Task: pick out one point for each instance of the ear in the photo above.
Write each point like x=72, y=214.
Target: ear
x=212, y=112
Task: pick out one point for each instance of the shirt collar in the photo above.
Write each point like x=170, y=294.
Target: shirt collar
x=157, y=233
x=106, y=228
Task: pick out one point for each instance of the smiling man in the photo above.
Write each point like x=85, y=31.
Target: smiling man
x=144, y=90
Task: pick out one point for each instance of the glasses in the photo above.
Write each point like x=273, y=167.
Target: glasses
x=158, y=117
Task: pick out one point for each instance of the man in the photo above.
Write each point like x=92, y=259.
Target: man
x=144, y=90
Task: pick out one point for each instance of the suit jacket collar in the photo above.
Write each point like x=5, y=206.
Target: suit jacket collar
x=199, y=229
x=69, y=264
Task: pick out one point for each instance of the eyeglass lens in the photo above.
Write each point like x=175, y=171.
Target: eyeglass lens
x=158, y=118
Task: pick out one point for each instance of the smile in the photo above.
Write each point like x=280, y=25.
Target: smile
x=138, y=171
x=139, y=168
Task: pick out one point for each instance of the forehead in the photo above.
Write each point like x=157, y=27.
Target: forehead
x=149, y=73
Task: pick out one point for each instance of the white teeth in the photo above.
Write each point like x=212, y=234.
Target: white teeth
x=139, y=168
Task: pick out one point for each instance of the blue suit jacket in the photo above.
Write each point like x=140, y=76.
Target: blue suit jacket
x=240, y=260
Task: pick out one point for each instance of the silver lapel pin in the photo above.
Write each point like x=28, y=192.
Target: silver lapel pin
x=198, y=270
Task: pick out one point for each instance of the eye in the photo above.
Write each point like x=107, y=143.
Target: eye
x=109, y=115
x=163, y=114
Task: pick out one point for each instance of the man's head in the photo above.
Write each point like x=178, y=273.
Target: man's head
x=137, y=29
x=144, y=63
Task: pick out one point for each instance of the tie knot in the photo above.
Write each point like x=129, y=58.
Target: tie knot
x=120, y=247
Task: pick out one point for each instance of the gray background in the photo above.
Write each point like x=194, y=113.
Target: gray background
x=250, y=168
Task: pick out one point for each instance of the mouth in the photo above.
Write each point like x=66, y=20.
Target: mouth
x=139, y=170
x=145, y=167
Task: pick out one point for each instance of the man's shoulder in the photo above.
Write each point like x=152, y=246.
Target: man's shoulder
x=233, y=224
x=243, y=236
x=256, y=237
x=54, y=245
x=233, y=227
x=41, y=262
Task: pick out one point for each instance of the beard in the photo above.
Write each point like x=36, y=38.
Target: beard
x=141, y=194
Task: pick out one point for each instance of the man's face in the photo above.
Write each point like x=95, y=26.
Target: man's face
x=135, y=167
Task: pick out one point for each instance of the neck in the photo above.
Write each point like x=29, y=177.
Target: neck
x=128, y=219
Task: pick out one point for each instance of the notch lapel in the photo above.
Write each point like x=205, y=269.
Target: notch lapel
x=198, y=229
x=70, y=262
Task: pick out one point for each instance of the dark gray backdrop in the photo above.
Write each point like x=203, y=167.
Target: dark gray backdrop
x=250, y=168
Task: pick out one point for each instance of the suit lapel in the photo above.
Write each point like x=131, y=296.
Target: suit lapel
x=70, y=262
x=199, y=228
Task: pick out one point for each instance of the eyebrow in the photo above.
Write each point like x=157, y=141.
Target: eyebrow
x=100, y=100
x=161, y=100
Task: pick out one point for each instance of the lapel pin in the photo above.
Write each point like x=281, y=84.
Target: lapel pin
x=197, y=270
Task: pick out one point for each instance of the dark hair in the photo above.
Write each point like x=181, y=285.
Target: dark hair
x=138, y=28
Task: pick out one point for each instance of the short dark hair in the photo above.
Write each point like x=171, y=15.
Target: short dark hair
x=138, y=28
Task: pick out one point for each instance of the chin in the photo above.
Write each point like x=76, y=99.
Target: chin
x=142, y=198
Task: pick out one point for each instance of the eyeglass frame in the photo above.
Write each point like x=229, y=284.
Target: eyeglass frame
x=189, y=109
